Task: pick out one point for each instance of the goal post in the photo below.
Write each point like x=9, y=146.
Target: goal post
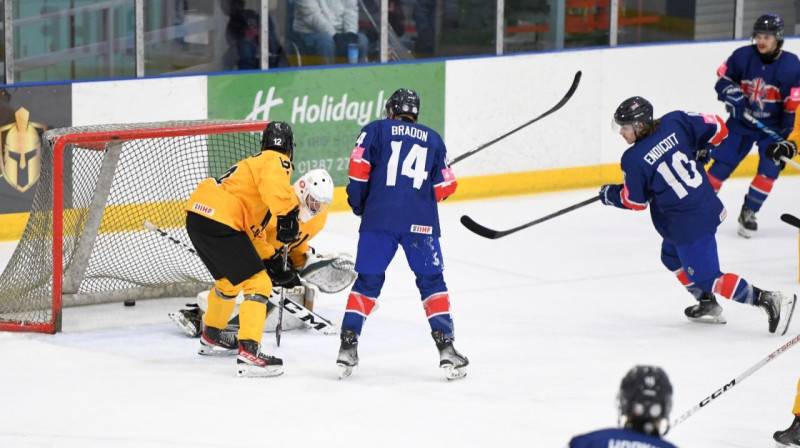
x=85, y=240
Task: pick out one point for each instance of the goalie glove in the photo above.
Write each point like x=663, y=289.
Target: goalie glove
x=785, y=148
x=331, y=273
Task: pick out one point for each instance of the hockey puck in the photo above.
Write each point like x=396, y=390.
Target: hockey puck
x=129, y=303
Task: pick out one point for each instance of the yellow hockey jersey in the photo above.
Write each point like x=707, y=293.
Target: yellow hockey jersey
x=248, y=197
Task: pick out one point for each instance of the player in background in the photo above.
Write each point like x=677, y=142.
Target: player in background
x=663, y=169
x=762, y=80
x=226, y=220
x=790, y=437
x=330, y=272
x=644, y=402
x=398, y=172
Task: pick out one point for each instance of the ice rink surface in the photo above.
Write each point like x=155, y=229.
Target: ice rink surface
x=551, y=318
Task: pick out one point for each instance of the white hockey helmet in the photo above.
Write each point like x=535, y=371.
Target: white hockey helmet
x=315, y=192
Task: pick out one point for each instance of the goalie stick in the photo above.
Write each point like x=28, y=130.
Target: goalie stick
x=494, y=234
x=726, y=387
x=774, y=135
x=303, y=314
x=791, y=220
x=559, y=105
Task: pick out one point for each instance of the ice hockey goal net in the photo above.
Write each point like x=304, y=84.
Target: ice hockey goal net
x=85, y=241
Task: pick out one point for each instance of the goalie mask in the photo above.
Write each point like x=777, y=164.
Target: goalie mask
x=315, y=192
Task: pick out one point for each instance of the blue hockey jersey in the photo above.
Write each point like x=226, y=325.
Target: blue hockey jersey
x=772, y=90
x=617, y=437
x=661, y=170
x=398, y=172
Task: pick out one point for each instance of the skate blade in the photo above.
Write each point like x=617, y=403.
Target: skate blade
x=344, y=371
x=454, y=373
x=719, y=319
x=781, y=445
x=187, y=327
x=216, y=351
x=251, y=371
x=787, y=303
x=745, y=233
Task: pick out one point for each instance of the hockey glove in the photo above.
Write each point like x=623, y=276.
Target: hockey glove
x=288, y=227
x=701, y=156
x=782, y=149
x=610, y=195
x=734, y=100
x=279, y=277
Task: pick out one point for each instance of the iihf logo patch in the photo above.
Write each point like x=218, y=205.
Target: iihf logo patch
x=425, y=230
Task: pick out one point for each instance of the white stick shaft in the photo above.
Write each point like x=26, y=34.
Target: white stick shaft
x=791, y=162
x=704, y=402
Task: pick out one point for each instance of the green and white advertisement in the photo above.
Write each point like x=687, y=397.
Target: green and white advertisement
x=326, y=108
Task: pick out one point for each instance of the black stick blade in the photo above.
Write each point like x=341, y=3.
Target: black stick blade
x=787, y=218
x=474, y=227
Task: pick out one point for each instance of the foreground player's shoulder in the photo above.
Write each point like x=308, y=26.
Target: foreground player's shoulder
x=272, y=163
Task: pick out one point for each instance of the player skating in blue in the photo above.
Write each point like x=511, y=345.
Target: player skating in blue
x=762, y=80
x=663, y=169
x=398, y=172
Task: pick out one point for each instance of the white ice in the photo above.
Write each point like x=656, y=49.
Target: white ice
x=551, y=318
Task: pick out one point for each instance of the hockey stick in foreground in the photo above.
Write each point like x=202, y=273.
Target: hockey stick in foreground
x=494, y=234
x=558, y=106
x=308, y=317
x=704, y=402
x=774, y=135
x=791, y=220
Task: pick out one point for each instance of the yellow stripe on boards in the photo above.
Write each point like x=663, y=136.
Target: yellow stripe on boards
x=126, y=217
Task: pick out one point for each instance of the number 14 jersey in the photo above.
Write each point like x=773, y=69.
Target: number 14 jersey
x=398, y=172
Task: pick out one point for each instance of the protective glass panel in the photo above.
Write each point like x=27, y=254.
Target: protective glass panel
x=73, y=39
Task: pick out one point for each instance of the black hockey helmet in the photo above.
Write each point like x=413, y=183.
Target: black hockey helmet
x=769, y=24
x=634, y=110
x=402, y=102
x=278, y=135
x=645, y=398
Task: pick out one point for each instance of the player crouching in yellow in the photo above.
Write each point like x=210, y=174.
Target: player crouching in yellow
x=314, y=272
x=226, y=218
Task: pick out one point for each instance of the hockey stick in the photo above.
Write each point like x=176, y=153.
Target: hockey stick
x=774, y=135
x=303, y=314
x=279, y=327
x=705, y=401
x=558, y=106
x=791, y=220
x=494, y=234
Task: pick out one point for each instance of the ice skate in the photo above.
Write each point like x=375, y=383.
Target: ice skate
x=779, y=308
x=789, y=437
x=252, y=363
x=348, y=353
x=216, y=342
x=747, y=222
x=454, y=363
x=707, y=310
x=190, y=320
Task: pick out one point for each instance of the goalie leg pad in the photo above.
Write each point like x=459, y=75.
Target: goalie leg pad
x=297, y=294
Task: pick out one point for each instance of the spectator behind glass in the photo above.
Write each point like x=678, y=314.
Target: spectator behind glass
x=326, y=27
x=242, y=34
x=397, y=22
